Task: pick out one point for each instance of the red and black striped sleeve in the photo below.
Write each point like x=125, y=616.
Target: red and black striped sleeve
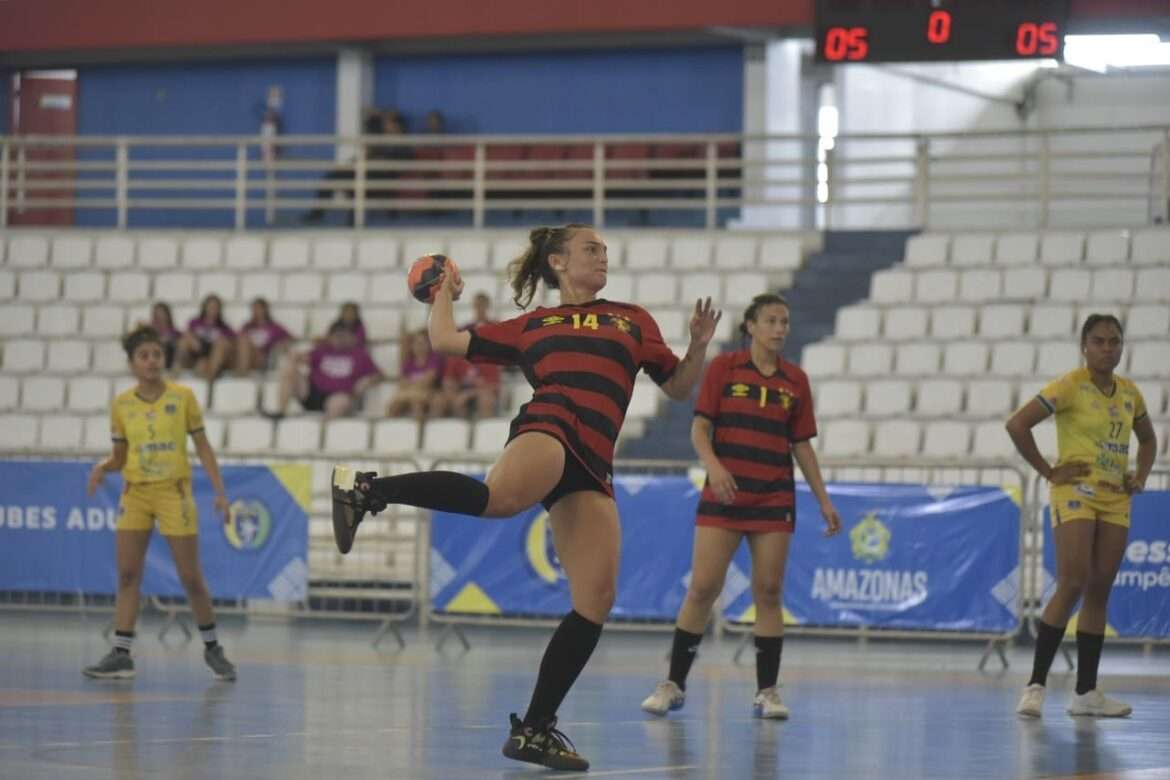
x=497, y=343
x=657, y=359
x=803, y=424
x=711, y=391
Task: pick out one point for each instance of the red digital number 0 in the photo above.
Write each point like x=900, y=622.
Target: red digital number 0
x=1027, y=39
x=846, y=43
x=938, y=29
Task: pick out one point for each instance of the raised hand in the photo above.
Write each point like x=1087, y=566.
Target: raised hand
x=704, y=319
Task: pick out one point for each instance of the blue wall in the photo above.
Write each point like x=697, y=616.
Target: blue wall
x=5, y=102
x=678, y=90
x=202, y=98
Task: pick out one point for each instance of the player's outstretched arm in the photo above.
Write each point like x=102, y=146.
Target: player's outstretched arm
x=704, y=319
x=445, y=335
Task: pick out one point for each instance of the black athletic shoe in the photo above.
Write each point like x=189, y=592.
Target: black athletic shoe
x=351, y=502
x=544, y=745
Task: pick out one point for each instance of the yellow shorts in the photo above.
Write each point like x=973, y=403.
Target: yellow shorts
x=169, y=502
x=1069, y=503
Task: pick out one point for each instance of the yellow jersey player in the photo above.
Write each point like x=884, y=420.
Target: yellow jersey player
x=1090, y=498
x=149, y=424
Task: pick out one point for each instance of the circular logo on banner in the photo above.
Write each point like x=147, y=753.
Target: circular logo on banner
x=542, y=556
x=249, y=524
x=870, y=539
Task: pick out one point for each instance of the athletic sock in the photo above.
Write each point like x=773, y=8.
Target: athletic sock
x=445, y=491
x=122, y=641
x=683, y=651
x=566, y=655
x=1088, y=659
x=768, y=650
x=1048, y=640
x=210, y=640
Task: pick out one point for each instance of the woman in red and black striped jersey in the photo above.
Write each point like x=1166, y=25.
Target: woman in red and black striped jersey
x=753, y=418
x=581, y=358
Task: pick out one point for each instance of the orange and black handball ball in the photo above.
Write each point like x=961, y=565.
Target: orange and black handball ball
x=425, y=274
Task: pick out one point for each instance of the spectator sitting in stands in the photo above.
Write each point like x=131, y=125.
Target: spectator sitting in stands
x=469, y=390
x=374, y=124
x=163, y=322
x=418, y=373
x=340, y=373
x=350, y=316
x=209, y=344
x=262, y=340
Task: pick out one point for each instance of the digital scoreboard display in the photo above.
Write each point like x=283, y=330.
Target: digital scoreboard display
x=939, y=30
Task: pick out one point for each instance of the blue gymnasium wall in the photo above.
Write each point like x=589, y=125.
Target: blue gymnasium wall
x=202, y=98
x=679, y=90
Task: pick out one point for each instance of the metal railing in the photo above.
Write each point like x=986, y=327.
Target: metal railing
x=1002, y=179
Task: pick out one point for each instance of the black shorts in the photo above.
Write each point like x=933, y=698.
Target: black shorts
x=314, y=401
x=574, y=479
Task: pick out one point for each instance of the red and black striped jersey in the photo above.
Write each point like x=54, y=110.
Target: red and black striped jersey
x=581, y=361
x=756, y=420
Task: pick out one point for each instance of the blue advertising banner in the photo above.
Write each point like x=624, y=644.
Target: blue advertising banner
x=54, y=538
x=908, y=557
x=1139, y=606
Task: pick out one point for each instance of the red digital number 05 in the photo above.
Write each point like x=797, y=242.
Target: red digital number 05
x=846, y=43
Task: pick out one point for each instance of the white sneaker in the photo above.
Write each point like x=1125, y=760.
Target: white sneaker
x=767, y=704
x=1097, y=705
x=667, y=696
x=1031, y=701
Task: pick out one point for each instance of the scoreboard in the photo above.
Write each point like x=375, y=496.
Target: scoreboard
x=939, y=30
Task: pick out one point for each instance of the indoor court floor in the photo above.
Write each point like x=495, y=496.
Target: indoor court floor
x=315, y=700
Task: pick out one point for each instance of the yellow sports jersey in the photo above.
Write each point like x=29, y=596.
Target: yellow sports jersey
x=1094, y=428
x=156, y=433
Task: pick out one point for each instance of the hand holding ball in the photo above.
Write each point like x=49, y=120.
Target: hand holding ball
x=427, y=275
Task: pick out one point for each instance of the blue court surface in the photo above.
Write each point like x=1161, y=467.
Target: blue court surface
x=315, y=700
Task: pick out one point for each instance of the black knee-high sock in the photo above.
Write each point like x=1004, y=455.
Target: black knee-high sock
x=566, y=655
x=1047, y=643
x=768, y=650
x=446, y=491
x=1088, y=659
x=683, y=651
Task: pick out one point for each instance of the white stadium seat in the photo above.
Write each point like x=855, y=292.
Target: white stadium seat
x=892, y=285
x=741, y=287
x=249, y=434
x=348, y=436
x=991, y=440
x=68, y=357
x=349, y=287
x=202, y=253
x=17, y=320
x=1017, y=249
x=288, y=252
x=1153, y=284
x=973, y=249
x=927, y=250
x=109, y=358
x=396, y=437
x=7, y=285
x=97, y=436
x=1147, y=320
x=299, y=435
x=1069, y=284
x=38, y=286
x=416, y=246
x=43, y=393
x=906, y=322
x=838, y=399
x=84, y=287
x=222, y=284
x=490, y=436
x=1047, y=321
x=619, y=287
x=870, y=359
x=823, y=359
x=939, y=397
x=887, y=397
x=989, y=397
x=215, y=430
x=1024, y=284
x=1107, y=247
x=234, y=395
x=1112, y=285
x=997, y=321
x=9, y=393
x=672, y=323
x=20, y=430
x=62, y=320
x=655, y=289
x=946, y=439
x=505, y=250
x=1151, y=246
x=1054, y=358
x=781, y=253
x=256, y=285
x=302, y=288
x=896, y=438
x=470, y=253
x=643, y=400
x=965, y=358
x=854, y=323
x=446, y=437
x=952, y=322
x=60, y=432
x=158, y=252
x=735, y=252
x=89, y=394
x=646, y=252
x=614, y=252
x=1013, y=358
x=72, y=251
x=936, y=286
x=332, y=254
x=690, y=253
x=980, y=284
x=701, y=285
x=129, y=287
x=23, y=356
x=917, y=359
x=114, y=252
x=28, y=252
x=474, y=283
x=104, y=321
x=844, y=437
x=244, y=253
x=378, y=253
x=1062, y=248
x=175, y=287
x=1149, y=358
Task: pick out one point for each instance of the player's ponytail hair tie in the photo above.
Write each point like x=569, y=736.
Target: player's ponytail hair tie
x=753, y=309
x=144, y=334
x=533, y=266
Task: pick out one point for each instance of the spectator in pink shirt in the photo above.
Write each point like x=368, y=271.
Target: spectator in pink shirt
x=209, y=344
x=340, y=372
x=418, y=376
x=262, y=340
x=163, y=321
x=351, y=317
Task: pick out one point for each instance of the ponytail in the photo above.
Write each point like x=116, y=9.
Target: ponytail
x=531, y=267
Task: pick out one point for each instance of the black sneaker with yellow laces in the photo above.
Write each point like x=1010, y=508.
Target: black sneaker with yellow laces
x=543, y=745
x=352, y=499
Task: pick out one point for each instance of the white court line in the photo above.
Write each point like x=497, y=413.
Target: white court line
x=613, y=772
